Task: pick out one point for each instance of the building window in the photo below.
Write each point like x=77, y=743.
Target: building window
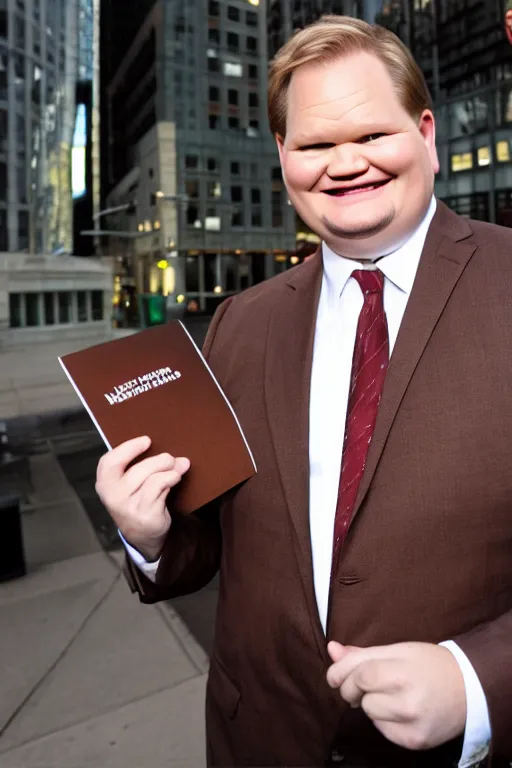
x=23, y=230
x=252, y=44
x=32, y=309
x=254, y=127
x=256, y=196
x=233, y=97
x=213, y=122
x=192, y=274
x=81, y=304
x=19, y=32
x=254, y=171
x=484, y=156
x=15, y=310
x=4, y=29
x=64, y=306
x=192, y=188
x=233, y=42
x=213, y=8
x=193, y=219
x=232, y=69
x=237, y=218
x=277, y=209
x=191, y=161
x=212, y=220
x=233, y=13
x=235, y=168
x=462, y=162
x=277, y=174
x=214, y=189
x=251, y=19
x=214, y=93
x=253, y=72
x=3, y=182
x=234, y=123
x=256, y=220
x=254, y=99
x=213, y=64
x=237, y=194
x=4, y=245
x=214, y=35
x=97, y=307
x=212, y=165
x=49, y=309
x=503, y=152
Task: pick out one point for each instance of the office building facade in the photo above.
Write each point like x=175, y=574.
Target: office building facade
x=191, y=157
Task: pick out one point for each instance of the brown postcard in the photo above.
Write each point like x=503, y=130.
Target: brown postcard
x=156, y=382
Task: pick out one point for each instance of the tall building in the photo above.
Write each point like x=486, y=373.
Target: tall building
x=462, y=49
x=190, y=155
x=44, y=291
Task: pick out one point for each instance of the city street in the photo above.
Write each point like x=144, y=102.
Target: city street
x=93, y=677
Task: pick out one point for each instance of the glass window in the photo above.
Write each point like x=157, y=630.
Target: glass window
x=277, y=174
x=235, y=168
x=192, y=188
x=256, y=220
x=213, y=8
x=19, y=32
x=15, y=310
x=212, y=164
x=234, y=123
x=214, y=35
x=237, y=218
x=81, y=303
x=210, y=271
x=254, y=100
x=49, y=309
x=251, y=19
x=484, y=156
x=64, y=307
x=191, y=161
x=23, y=230
x=32, y=309
x=233, y=41
x=212, y=220
x=3, y=182
x=253, y=71
x=233, y=13
x=237, y=194
x=232, y=69
x=213, y=65
x=192, y=274
x=214, y=189
x=462, y=162
x=193, y=219
x=4, y=29
x=233, y=97
x=255, y=196
x=214, y=93
x=503, y=152
x=97, y=305
x=4, y=245
x=213, y=122
x=252, y=44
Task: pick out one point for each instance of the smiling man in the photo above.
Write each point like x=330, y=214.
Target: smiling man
x=365, y=605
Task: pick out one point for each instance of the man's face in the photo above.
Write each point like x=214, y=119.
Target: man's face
x=358, y=168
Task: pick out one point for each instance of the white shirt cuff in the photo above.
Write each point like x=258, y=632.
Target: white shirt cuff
x=477, y=736
x=148, y=569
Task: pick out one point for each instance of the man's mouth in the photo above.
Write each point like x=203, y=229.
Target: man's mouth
x=345, y=191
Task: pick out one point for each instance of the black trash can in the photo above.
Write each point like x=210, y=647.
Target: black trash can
x=12, y=555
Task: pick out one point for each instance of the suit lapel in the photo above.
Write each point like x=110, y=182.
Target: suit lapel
x=287, y=391
x=442, y=263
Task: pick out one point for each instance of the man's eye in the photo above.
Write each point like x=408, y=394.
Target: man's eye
x=371, y=137
x=307, y=147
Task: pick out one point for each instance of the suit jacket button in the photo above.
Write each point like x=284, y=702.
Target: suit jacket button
x=337, y=758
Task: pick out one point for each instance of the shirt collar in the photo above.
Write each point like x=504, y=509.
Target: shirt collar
x=399, y=266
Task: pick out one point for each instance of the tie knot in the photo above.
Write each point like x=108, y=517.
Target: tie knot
x=370, y=280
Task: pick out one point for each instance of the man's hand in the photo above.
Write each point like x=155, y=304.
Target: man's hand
x=135, y=497
x=413, y=692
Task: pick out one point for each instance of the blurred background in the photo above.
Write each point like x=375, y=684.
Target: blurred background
x=138, y=177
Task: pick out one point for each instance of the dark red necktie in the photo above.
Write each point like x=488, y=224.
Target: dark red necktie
x=369, y=365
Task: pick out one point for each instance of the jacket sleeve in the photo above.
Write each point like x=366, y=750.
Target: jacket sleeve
x=489, y=649
x=192, y=551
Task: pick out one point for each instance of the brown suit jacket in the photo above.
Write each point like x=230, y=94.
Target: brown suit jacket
x=428, y=556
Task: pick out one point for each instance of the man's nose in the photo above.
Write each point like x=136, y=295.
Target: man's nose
x=347, y=160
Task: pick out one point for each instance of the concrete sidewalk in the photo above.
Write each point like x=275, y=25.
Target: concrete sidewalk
x=89, y=676
x=32, y=380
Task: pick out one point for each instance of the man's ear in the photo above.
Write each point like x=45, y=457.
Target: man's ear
x=427, y=128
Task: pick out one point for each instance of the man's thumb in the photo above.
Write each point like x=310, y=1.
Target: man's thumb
x=337, y=651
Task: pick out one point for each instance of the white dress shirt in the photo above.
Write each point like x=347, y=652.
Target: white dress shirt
x=340, y=303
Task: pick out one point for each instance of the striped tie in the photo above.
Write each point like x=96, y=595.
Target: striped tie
x=369, y=365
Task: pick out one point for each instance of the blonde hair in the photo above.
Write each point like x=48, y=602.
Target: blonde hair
x=333, y=37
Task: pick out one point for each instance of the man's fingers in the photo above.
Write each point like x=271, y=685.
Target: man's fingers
x=337, y=651
x=158, y=484
x=112, y=465
x=381, y=707
x=137, y=475
x=339, y=671
x=383, y=676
